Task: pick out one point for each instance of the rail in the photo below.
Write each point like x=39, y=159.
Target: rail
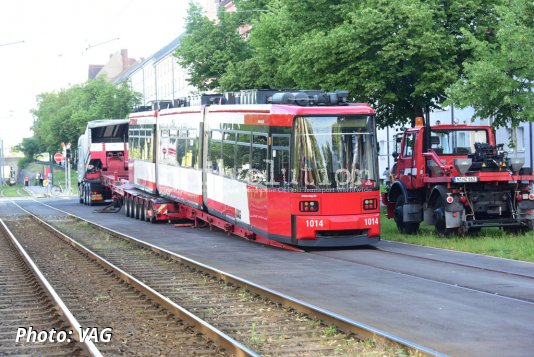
x=348, y=325
x=231, y=345
x=60, y=306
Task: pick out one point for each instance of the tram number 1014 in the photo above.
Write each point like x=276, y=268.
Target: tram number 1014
x=312, y=223
x=371, y=221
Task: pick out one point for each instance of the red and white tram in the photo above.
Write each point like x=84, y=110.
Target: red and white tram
x=298, y=171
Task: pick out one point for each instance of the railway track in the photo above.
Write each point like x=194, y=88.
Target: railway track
x=135, y=321
x=265, y=321
x=27, y=302
x=390, y=248
x=504, y=283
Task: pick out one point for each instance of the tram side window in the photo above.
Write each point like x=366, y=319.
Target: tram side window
x=214, y=152
x=133, y=143
x=147, y=148
x=181, y=148
x=166, y=152
x=192, y=148
x=258, y=173
x=173, y=146
x=242, y=156
x=140, y=144
x=164, y=145
x=141, y=147
x=228, y=153
x=280, y=160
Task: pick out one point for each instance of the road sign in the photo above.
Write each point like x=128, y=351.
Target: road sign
x=58, y=157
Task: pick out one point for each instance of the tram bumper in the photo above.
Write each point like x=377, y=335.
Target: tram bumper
x=336, y=231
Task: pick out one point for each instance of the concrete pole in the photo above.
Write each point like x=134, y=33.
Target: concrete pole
x=1, y=161
x=66, y=163
x=388, y=141
x=530, y=145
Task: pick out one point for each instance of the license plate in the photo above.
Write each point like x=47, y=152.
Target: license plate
x=463, y=179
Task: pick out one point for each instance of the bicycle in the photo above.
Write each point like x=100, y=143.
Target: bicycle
x=55, y=190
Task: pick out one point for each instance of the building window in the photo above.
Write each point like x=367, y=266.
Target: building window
x=520, y=133
x=516, y=143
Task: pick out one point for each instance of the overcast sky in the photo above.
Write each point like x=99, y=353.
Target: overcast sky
x=55, y=53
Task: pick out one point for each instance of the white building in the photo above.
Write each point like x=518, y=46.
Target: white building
x=159, y=77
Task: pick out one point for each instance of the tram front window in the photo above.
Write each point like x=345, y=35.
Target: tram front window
x=336, y=153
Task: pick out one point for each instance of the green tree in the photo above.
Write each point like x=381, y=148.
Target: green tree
x=62, y=116
x=30, y=147
x=398, y=55
x=499, y=79
x=274, y=33
x=208, y=47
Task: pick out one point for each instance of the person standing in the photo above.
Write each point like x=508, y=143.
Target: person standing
x=386, y=174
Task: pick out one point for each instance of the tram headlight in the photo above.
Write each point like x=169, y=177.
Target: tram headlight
x=370, y=203
x=309, y=206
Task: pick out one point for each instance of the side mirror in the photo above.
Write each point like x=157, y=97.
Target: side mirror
x=395, y=156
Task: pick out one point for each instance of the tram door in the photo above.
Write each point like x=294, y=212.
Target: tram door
x=258, y=177
x=279, y=173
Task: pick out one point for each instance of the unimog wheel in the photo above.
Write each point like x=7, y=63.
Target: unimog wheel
x=403, y=227
x=439, y=219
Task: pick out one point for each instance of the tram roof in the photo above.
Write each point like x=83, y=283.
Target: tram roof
x=357, y=108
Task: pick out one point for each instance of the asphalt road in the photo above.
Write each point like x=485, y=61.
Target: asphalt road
x=459, y=310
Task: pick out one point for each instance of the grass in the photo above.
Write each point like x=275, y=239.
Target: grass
x=256, y=339
x=58, y=175
x=490, y=241
x=12, y=191
x=330, y=331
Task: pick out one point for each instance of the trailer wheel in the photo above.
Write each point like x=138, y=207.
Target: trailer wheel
x=146, y=204
x=81, y=193
x=439, y=218
x=88, y=194
x=85, y=194
x=403, y=227
x=127, y=205
x=89, y=201
x=152, y=218
x=142, y=209
x=130, y=207
x=135, y=205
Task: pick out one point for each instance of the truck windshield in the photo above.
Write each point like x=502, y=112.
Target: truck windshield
x=457, y=142
x=334, y=153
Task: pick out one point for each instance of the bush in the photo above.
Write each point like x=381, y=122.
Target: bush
x=22, y=163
